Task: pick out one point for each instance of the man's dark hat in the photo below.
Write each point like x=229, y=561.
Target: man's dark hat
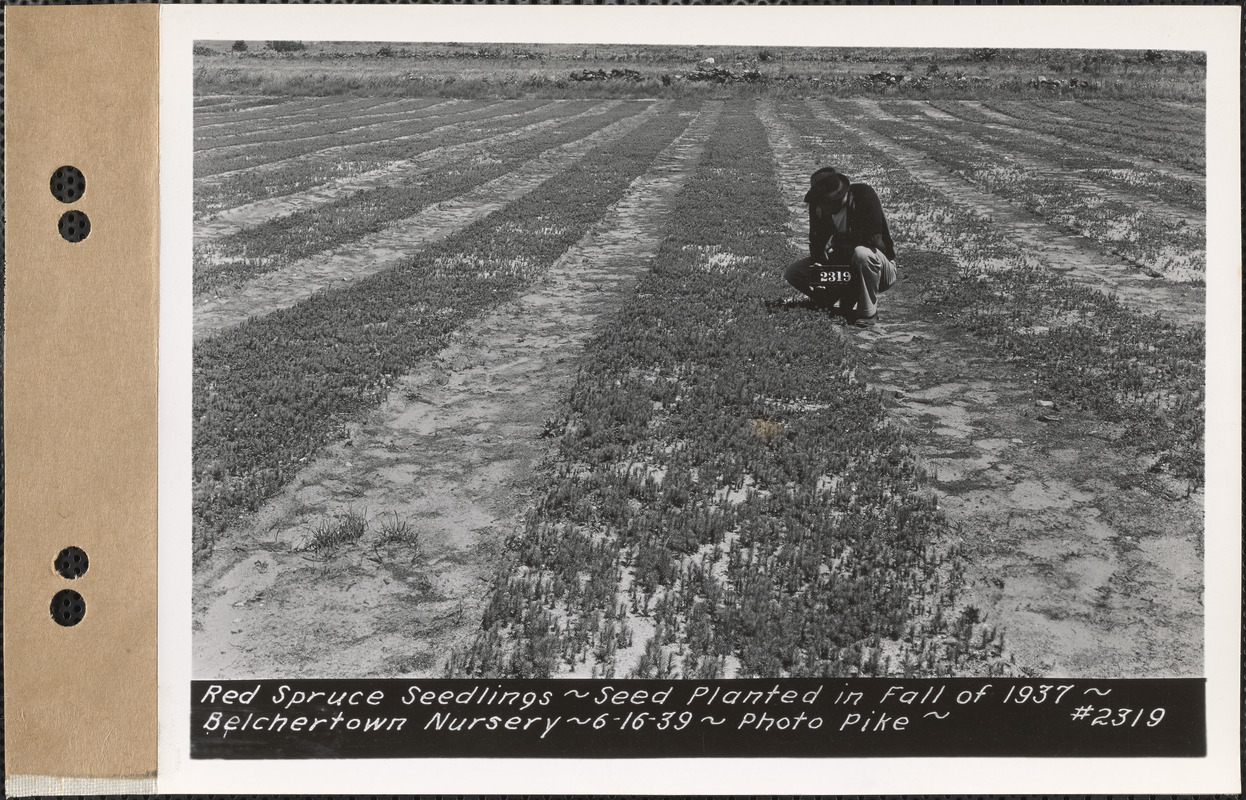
x=827, y=184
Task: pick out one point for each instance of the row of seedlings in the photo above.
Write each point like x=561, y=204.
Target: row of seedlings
x=1104, y=166
x=1084, y=348
x=320, y=167
x=240, y=112
x=270, y=392
x=356, y=113
x=1141, y=235
x=274, y=244
x=1185, y=154
x=213, y=106
x=1178, y=128
x=224, y=124
x=212, y=163
x=1183, y=119
x=726, y=499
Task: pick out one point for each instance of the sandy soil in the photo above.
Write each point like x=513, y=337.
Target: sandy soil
x=373, y=118
x=1091, y=565
x=1012, y=125
x=261, y=211
x=1178, y=214
x=375, y=252
x=1078, y=258
x=331, y=152
x=452, y=450
x=281, y=108
x=923, y=107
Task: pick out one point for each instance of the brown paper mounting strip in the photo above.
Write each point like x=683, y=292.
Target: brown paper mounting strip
x=80, y=399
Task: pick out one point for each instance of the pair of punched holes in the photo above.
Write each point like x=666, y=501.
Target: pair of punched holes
x=68, y=607
x=68, y=184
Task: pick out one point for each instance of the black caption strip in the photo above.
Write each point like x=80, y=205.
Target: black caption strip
x=401, y=718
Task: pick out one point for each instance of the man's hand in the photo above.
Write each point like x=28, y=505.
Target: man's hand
x=841, y=243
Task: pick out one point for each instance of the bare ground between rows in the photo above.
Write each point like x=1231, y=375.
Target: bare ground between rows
x=452, y=450
x=1039, y=166
x=291, y=284
x=1087, y=562
x=1004, y=123
x=1090, y=564
x=1088, y=124
x=330, y=152
x=282, y=108
x=359, y=121
x=1079, y=259
x=258, y=212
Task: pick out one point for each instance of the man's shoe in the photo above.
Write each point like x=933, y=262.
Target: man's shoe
x=866, y=322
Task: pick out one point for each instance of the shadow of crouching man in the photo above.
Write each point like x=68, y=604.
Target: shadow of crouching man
x=851, y=257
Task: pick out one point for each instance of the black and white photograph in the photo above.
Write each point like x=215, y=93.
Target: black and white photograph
x=529, y=360
x=608, y=361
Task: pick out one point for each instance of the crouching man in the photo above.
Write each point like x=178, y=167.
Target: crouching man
x=851, y=256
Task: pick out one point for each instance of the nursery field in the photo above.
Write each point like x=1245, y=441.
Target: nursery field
x=513, y=387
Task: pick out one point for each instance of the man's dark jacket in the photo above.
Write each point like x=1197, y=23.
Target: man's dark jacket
x=865, y=225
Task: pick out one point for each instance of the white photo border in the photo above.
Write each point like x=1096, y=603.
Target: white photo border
x=1212, y=29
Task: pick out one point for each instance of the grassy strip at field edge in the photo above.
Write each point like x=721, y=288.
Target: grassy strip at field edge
x=270, y=392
